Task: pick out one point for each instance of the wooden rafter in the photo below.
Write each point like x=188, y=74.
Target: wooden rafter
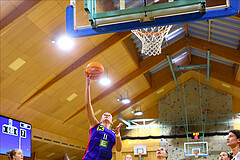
x=237, y=72
x=188, y=47
x=216, y=49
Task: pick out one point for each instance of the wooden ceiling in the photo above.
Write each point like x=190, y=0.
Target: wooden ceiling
x=36, y=92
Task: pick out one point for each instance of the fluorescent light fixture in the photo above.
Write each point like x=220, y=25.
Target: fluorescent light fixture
x=160, y=91
x=65, y=43
x=225, y=85
x=17, y=64
x=50, y=154
x=70, y=98
x=174, y=60
x=174, y=34
x=105, y=81
x=73, y=157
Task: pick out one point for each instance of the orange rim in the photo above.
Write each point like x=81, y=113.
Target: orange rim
x=196, y=154
x=151, y=34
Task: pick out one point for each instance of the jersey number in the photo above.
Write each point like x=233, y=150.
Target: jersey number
x=105, y=136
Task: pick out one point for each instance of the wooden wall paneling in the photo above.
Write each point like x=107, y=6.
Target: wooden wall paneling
x=98, y=39
x=123, y=64
x=9, y=54
x=13, y=33
x=21, y=37
x=36, y=16
x=50, y=16
x=3, y=44
x=8, y=107
x=17, y=90
x=218, y=71
x=34, y=73
x=56, y=22
x=6, y=8
x=26, y=45
x=138, y=85
x=20, y=9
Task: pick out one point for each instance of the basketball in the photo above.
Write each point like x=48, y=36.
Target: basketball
x=95, y=70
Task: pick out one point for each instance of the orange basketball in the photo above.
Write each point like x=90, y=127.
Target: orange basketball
x=96, y=70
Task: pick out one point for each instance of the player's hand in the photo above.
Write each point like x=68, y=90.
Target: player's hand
x=87, y=78
x=117, y=129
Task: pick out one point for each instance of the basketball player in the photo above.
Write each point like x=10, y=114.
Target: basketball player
x=101, y=138
x=233, y=141
x=15, y=154
x=161, y=154
x=225, y=156
x=128, y=157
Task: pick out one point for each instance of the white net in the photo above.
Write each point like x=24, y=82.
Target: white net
x=152, y=39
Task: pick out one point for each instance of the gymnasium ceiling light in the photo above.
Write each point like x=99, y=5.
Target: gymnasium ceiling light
x=105, y=81
x=124, y=98
x=137, y=113
x=64, y=43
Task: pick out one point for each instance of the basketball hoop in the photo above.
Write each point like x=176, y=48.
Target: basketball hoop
x=152, y=38
x=196, y=155
x=140, y=152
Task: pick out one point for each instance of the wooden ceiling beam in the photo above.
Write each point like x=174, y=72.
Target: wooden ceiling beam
x=236, y=72
x=148, y=78
x=131, y=50
x=216, y=49
x=187, y=35
x=161, y=78
x=218, y=71
x=85, y=58
x=18, y=11
x=144, y=66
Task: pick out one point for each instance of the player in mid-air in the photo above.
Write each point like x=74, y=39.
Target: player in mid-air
x=101, y=137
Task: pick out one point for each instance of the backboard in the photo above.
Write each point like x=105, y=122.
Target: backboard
x=140, y=150
x=129, y=15
x=191, y=148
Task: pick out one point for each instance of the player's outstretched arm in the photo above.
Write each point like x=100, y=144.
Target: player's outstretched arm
x=118, y=138
x=90, y=113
